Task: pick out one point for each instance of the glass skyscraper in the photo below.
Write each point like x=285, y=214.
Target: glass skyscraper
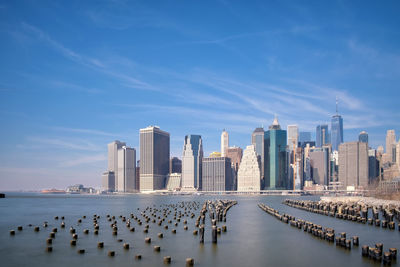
x=322, y=135
x=336, y=131
x=275, y=157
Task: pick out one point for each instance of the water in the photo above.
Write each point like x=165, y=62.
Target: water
x=254, y=238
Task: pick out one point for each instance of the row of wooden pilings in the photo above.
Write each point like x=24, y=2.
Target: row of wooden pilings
x=355, y=213
x=149, y=215
x=328, y=234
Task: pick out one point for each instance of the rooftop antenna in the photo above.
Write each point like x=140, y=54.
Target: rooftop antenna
x=337, y=105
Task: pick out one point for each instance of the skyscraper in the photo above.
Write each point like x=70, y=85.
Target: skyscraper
x=108, y=181
x=275, y=157
x=154, y=158
x=224, y=142
x=363, y=137
x=319, y=162
x=191, y=162
x=321, y=135
x=257, y=140
x=113, y=158
x=353, y=164
x=336, y=130
x=390, y=143
x=126, y=170
x=292, y=136
x=249, y=178
x=235, y=154
x=175, y=165
x=217, y=174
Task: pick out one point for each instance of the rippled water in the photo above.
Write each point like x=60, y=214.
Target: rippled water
x=254, y=238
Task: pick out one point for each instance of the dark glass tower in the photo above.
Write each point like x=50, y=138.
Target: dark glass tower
x=275, y=158
x=336, y=129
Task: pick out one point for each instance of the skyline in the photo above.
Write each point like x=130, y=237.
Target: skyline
x=71, y=84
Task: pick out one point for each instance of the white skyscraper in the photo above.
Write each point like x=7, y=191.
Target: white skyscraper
x=292, y=136
x=249, y=178
x=126, y=179
x=224, y=142
x=191, y=162
x=390, y=144
x=113, y=158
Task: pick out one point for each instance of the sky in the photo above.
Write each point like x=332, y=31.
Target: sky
x=76, y=75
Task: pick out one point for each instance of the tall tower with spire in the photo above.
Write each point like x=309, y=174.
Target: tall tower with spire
x=336, y=129
x=275, y=159
x=224, y=142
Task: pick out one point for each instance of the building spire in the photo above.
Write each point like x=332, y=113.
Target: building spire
x=337, y=103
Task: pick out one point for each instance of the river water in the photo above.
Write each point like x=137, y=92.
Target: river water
x=253, y=238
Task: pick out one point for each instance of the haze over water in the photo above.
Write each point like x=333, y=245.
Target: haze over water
x=254, y=238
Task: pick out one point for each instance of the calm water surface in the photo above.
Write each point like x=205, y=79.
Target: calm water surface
x=254, y=238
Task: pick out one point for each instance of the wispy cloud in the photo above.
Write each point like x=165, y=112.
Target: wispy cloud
x=64, y=144
x=84, y=160
x=84, y=131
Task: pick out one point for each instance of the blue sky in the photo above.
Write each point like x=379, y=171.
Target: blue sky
x=75, y=75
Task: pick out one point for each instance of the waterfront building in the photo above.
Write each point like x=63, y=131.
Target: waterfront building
x=275, y=157
x=363, y=137
x=108, y=181
x=321, y=135
x=390, y=145
x=320, y=165
x=113, y=158
x=191, y=162
x=126, y=170
x=292, y=136
x=217, y=174
x=373, y=165
x=224, y=142
x=249, y=178
x=154, y=158
x=174, y=181
x=257, y=140
x=304, y=137
x=336, y=130
x=175, y=165
x=353, y=164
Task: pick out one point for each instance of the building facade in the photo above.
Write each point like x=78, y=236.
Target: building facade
x=257, y=140
x=275, y=158
x=154, y=158
x=353, y=164
x=249, y=178
x=390, y=144
x=174, y=182
x=108, y=181
x=320, y=165
x=126, y=176
x=217, y=174
x=292, y=136
x=336, y=132
x=191, y=162
x=175, y=165
x=321, y=135
x=113, y=158
x=363, y=137
x=224, y=142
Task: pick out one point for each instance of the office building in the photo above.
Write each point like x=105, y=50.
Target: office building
x=353, y=165
x=292, y=136
x=126, y=176
x=320, y=165
x=113, y=158
x=108, y=181
x=275, y=157
x=336, y=130
x=321, y=135
x=249, y=178
x=217, y=174
x=175, y=165
x=224, y=142
x=373, y=165
x=191, y=162
x=174, y=181
x=257, y=140
x=363, y=137
x=390, y=144
x=154, y=158
x=235, y=154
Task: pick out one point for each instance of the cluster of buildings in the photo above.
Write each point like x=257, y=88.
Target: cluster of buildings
x=276, y=159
